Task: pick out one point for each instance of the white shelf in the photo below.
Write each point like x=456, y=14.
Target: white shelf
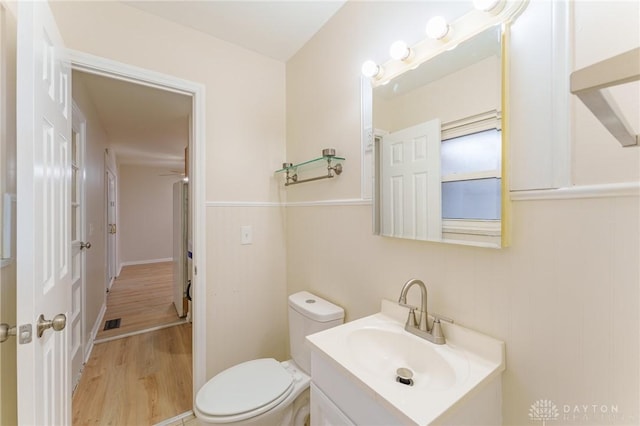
x=588, y=84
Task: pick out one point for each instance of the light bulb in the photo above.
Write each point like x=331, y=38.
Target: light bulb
x=371, y=69
x=400, y=51
x=486, y=5
x=437, y=28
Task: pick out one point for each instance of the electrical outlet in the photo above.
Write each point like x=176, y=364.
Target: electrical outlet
x=246, y=234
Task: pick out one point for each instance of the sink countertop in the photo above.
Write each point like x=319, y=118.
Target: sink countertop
x=418, y=405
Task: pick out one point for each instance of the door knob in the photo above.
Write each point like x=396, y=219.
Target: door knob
x=6, y=331
x=86, y=245
x=57, y=323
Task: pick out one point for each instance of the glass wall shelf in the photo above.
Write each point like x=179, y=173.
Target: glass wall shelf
x=328, y=156
x=309, y=163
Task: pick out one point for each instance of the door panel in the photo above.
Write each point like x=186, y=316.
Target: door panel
x=112, y=268
x=43, y=217
x=411, y=180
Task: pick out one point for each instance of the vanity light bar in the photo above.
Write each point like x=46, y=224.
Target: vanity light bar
x=372, y=70
x=400, y=51
x=491, y=6
x=437, y=28
x=442, y=36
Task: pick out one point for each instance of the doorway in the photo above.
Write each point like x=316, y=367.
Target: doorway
x=112, y=248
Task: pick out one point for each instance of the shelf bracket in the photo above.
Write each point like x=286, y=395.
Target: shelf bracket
x=588, y=84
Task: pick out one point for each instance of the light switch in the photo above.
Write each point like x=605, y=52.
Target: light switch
x=246, y=234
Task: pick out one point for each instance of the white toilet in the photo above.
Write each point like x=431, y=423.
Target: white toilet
x=266, y=392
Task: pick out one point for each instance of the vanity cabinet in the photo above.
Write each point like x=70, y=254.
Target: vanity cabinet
x=325, y=412
x=338, y=400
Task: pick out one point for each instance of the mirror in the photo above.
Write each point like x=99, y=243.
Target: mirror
x=436, y=146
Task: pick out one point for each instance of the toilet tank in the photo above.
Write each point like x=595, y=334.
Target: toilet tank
x=309, y=314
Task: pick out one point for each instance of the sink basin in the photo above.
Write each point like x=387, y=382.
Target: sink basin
x=383, y=351
x=369, y=351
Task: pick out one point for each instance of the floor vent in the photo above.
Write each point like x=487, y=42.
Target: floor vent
x=111, y=324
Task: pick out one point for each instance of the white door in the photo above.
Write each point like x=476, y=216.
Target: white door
x=43, y=219
x=79, y=245
x=112, y=269
x=411, y=183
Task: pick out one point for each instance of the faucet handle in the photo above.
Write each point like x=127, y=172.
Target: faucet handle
x=438, y=318
x=436, y=330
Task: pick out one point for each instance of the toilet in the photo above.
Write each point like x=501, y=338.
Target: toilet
x=264, y=391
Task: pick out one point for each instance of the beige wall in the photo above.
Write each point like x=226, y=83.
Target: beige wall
x=245, y=143
x=564, y=297
x=145, y=213
x=8, y=378
x=97, y=142
x=469, y=91
x=247, y=299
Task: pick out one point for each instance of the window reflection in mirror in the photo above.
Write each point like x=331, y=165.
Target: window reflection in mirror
x=438, y=147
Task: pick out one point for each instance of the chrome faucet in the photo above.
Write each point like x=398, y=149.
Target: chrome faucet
x=421, y=322
x=420, y=325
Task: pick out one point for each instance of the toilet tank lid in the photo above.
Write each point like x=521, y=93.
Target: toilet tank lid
x=315, y=307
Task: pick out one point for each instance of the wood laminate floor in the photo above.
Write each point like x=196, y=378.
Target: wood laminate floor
x=136, y=380
x=142, y=297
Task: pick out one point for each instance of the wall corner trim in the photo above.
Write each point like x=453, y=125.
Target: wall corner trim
x=342, y=202
x=243, y=204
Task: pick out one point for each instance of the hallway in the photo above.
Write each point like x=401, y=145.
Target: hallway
x=141, y=297
x=144, y=378
x=137, y=380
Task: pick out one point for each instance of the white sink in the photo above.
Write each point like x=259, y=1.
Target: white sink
x=383, y=349
x=368, y=352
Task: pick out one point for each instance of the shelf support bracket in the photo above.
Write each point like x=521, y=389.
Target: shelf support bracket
x=293, y=179
x=588, y=84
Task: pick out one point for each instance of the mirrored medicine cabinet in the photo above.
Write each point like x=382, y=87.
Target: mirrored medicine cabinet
x=435, y=139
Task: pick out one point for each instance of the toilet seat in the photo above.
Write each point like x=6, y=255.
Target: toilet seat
x=245, y=390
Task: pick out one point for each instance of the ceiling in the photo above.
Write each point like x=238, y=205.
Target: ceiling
x=145, y=126
x=148, y=126
x=277, y=29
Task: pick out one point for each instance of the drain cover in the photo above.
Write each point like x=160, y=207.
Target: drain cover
x=404, y=376
x=111, y=324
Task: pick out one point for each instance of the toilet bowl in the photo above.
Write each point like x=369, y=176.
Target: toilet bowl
x=264, y=391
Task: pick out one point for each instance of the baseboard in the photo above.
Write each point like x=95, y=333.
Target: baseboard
x=188, y=415
x=143, y=262
x=94, y=331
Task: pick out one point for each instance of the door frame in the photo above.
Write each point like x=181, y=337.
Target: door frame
x=79, y=125
x=92, y=64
